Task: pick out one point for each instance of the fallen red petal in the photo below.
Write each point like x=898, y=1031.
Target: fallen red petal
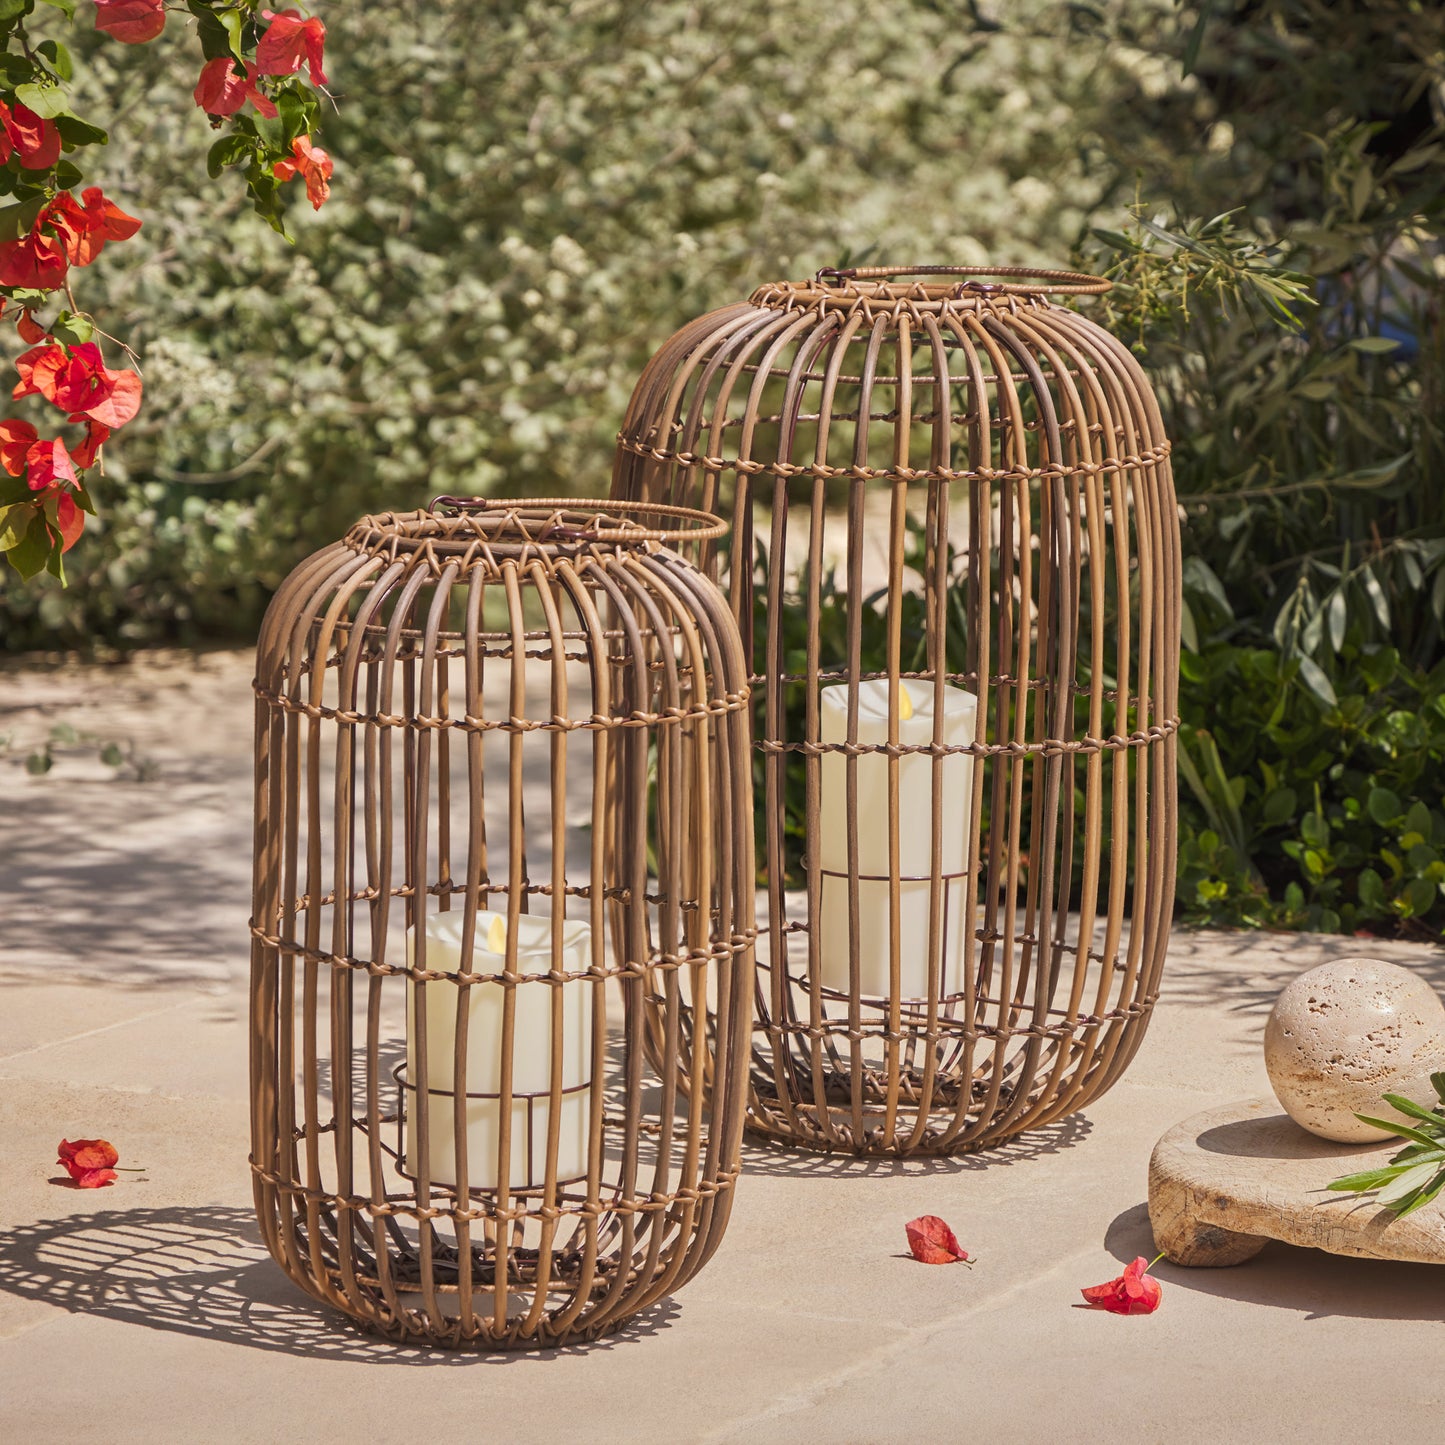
x=933, y=1242
x=1135, y=1292
x=87, y=1159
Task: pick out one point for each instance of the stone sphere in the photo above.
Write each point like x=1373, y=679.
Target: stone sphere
x=1343, y=1034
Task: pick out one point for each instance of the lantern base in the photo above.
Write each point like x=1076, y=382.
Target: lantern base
x=951, y=1126
x=463, y=1309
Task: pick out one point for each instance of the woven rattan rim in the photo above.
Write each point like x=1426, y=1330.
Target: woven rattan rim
x=454, y=527
x=926, y=288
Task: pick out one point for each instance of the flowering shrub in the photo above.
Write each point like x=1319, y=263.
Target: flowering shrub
x=250, y=86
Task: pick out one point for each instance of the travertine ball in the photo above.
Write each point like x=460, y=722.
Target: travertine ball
x=1343, y=1034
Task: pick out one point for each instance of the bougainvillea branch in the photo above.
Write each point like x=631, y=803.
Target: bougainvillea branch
x=251, y=88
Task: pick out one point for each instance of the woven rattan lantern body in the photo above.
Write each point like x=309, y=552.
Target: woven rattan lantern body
x=503, y=835
x=955, y=550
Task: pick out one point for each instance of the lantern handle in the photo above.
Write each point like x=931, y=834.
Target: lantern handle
x=1014, y=280
x=586, y=519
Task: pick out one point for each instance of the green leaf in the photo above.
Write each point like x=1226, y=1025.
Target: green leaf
x=66, y=7
x=13, y=9
x=1196, y=39
x=55, y=561
x=17, y=221
x=220, y=33
x=230, y=150
x=1376, y=594
x=1367, y=1180
x=77, y=132
x=272, y=132
x=1417, y=819
x=1279, y=806
x=1374, y=345
x=1419, y=895
x=39, y=763
x=1371, y=889
x=1416, y=1177
x=1403, y=1130
x=58, y=56
x=14, y=523
x=1336, y=616
x=111, y=755
x=45, y=100
x=72, y=329
x=1425, y=1195
x=1416, y=1111
x=1383, y=806
x=1314, y=678
x=29, y=556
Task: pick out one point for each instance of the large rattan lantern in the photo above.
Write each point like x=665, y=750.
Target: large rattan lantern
x=955, y=552
x=503, y=837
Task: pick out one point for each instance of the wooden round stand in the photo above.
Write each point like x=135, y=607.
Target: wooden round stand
x=1226, y=1181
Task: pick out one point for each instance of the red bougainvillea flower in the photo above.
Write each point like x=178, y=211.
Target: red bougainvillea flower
x=83, y=227
x=288, y=40
x=16, y=438
x=933, y=1242
x=95, y=434
x=226, y=85
x=71, y=521
x=132, y=22
x=313, y=163
x=37, y=261
x=1135, y=1292
x=78, y=381
x=88, y=1161
x=34, y=139
x=49, y=466
x=29, y=329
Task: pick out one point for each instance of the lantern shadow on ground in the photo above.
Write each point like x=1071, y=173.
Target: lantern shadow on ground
x=1309, y=1282
x=205, y=1273
x=762, y=1157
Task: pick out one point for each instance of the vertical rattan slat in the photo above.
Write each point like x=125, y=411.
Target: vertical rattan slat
x=955, y=558
x=503, y=795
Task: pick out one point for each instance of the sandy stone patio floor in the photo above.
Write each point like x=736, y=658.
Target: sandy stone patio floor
x=149, y=1312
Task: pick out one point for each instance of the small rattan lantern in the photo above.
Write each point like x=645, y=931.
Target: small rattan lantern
x=955, y=551
x=503, y=838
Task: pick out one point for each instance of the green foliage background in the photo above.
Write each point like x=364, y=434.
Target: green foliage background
x=529, y=197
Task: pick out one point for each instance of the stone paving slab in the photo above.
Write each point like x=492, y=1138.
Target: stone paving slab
x=153, y=1303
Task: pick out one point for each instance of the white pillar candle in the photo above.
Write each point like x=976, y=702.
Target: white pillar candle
x=915, y=837
x=531, y=1052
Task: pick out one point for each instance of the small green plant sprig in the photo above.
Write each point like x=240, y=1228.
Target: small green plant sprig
x=1417, y=1173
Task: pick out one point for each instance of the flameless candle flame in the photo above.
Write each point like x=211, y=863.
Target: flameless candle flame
x=905, y=704
x=497, y=934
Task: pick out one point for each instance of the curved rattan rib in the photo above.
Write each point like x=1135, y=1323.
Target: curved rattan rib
x=408, y=680
x=1021, y=445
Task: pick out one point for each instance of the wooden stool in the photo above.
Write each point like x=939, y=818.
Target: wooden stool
x=1228, y=1180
